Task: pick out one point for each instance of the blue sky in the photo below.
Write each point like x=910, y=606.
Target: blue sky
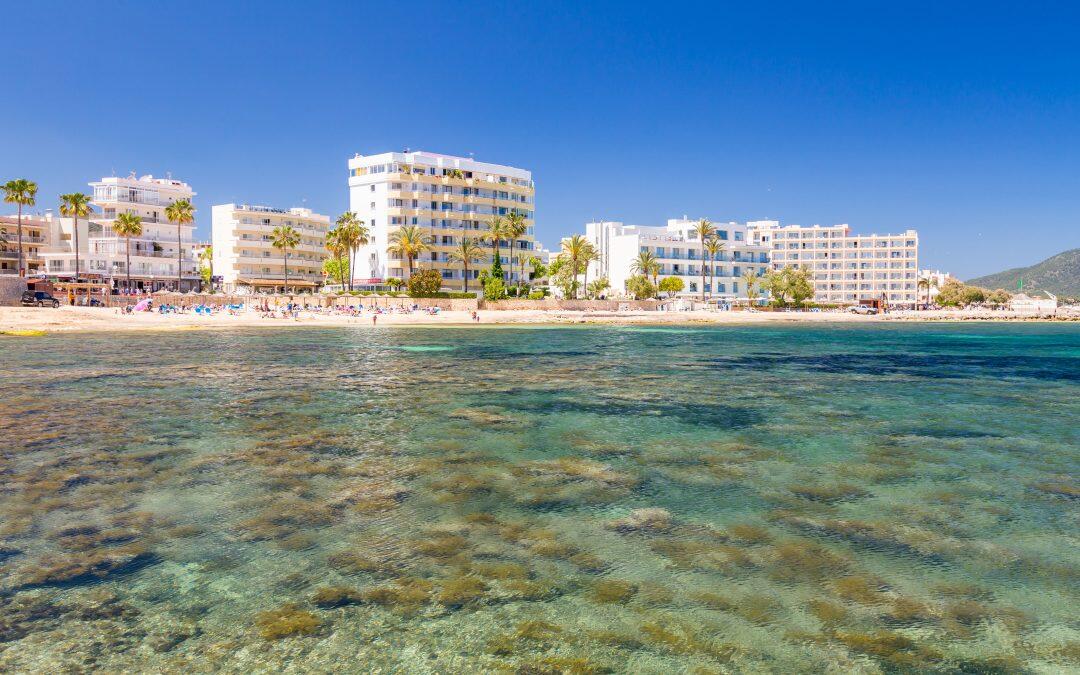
x=962, y=121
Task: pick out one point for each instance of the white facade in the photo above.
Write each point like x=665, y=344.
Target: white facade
x=153, y=254
x=937, y=280
x=393, y=189
x=679, y=253
x=847, y=268
x=245, y=257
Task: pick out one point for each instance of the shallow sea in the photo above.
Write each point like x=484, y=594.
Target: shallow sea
x=900, y=498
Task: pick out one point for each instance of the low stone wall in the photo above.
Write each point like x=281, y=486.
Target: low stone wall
x=570, y=305
x=311, y=300
x=11, y=290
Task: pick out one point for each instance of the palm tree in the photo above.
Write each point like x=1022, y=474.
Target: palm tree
x=750, y=278
x=523, y=259
x=591, y=254
x=75, y=205
x=353, y=234
x=22, y=192
x=467, y=251
x=409, y=241
x=713, y=246
x=927, y=283
x=283, y=238
x=498, y=231
x=646, y=264
x=704, y=230
x=515, y=227
x=576, y=249
x=180, y=212
x=336, y=247
x=127, y=225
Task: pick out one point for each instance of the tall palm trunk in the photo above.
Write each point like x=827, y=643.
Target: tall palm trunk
x=341, y=271
x=348, y=263
x=511, y=279
x=585, y=283
x=22, y=268
x=179, y=259
x=712, y=273
x=75, y=227
x=127, y=263
x=285, y=257
x=410, y=259
x=703, y=269
x=466, y=264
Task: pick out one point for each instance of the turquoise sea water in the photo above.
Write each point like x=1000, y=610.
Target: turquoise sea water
x=897, y=498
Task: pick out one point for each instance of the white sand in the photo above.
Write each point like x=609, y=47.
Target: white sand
x=67, y=319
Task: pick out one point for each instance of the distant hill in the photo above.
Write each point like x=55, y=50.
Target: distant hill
x=1059, y=274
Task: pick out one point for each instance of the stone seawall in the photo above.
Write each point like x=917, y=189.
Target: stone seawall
x=570, y=305
x=11, y=290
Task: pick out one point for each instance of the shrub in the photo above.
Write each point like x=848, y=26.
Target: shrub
x=494, y=288
x=671, y=285
x=425, y=283
x=640, y=287
x=538, y=294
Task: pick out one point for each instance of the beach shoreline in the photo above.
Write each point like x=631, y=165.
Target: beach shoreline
x=94, y=319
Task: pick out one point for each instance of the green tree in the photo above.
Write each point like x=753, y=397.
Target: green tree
x=425, y=283
x=800, y=284
x=524, y=260
x=646, y=264
x=497, y=232
x=576, y=250
x=127, y=225
x=180, y=212
x=467, y=251
x=515, y=227
x=776, y=283
x=21, y=192
x=671, y=286
x=927, y=282
x=750, y=280
x=713, y=247
x=352, y=233
x=998, y=297
x=75, y=205
x=640, y=287
x=409, y=241
x=494, y=286
x=704, y=230
x=283, y=238
x=597, y=287
x=394, y=282
x=335, y=268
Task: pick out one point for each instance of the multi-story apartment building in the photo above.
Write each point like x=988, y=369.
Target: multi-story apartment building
x=678, y=252
x=154, y=254
x=244, y=255
x=847, y=268
x=36, y=238
x=448, y=197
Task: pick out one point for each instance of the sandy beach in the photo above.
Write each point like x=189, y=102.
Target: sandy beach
x=75, y=319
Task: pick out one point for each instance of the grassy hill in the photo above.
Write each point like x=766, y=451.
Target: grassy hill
x=1059, y=274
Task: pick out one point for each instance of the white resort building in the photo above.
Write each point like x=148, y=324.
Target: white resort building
x=678, y=251
x=153, y=254
x=36, y=239
x=448, y=197
x=847, y=268
x=244, y=255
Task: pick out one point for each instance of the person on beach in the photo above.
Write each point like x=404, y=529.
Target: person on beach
x=374, y=319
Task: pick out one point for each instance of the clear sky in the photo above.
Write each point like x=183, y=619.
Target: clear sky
x=961, y=120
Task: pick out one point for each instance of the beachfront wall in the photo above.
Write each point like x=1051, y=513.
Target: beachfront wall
x=316, y=300
x=571, y=305
x=11, y=290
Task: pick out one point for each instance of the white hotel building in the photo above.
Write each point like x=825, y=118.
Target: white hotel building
x=244, y=256
x=678, y=251
x=449, y=197
x=102, y=254
x=847, y=268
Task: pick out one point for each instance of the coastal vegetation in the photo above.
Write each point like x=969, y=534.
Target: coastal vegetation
x=20, y=192
x=284, y=238
x=181, y=212
x=127, y=225
x=75, y=205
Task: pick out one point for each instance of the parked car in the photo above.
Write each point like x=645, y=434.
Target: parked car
x=864, y=309
x=39, y=299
